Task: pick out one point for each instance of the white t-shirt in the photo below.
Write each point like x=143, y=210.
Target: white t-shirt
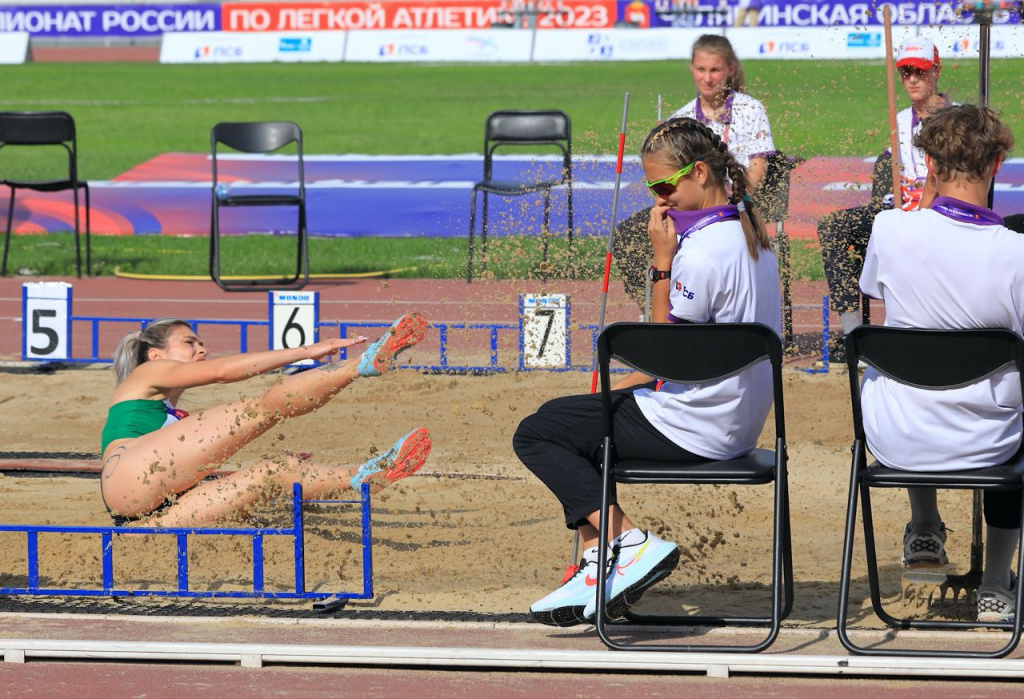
x=743, y=124
x=714, y=280
x=939, y=273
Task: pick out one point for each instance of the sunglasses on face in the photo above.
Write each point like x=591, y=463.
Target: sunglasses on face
x=667, y=186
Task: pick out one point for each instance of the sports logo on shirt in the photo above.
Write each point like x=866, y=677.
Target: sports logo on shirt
x=682, y=288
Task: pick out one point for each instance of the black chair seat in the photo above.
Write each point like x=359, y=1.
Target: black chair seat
x=42, y=185
x=1003, y=477
x=510, y=188
x=48, y=129
x=261, y=200
x=756, y=468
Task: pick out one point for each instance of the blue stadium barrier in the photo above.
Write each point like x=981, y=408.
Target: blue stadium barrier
x=344, y=329
x=182, y=534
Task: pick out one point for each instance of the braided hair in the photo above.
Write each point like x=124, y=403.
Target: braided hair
x=133, y=348
x=682, y=141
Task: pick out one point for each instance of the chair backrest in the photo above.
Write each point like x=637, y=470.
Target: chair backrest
x=930, y=359
x=36, y=129
x=257, y=137
x=693, y=353
x=529, y=127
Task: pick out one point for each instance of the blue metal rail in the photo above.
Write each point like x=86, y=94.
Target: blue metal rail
x=443, y=365
x=182, y=535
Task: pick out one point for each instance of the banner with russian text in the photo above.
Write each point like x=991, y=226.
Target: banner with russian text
x=109, y=20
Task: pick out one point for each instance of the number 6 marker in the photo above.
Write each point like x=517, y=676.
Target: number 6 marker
x=46, y=321
x=294, y=320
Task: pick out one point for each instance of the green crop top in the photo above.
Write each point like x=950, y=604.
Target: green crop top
x=136, y=417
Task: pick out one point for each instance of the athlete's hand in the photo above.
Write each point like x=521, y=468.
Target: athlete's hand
x=325, y=348
x=661, y=229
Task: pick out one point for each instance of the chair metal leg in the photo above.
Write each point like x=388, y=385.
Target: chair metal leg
x=848, y=539
x=544, y=232
x=782, y=246
x=215, y=242
x=602, y=548
x=88, y=231
x=472, y=227
x=7, y=234
x=78, y=240
x=483, y=235
x=569, y=235
x=844, y=591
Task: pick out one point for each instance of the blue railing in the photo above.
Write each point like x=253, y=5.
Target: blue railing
x=182, y=535
x=443, y=365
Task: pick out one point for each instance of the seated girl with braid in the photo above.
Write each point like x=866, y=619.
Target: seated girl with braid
x=156, y=456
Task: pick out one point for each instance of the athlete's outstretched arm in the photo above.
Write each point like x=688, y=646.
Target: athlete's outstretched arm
x=170, y=374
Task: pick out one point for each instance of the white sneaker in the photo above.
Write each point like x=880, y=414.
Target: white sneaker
x=637, y=568
x=567, y=605
x=924, y=549
x=996, y=603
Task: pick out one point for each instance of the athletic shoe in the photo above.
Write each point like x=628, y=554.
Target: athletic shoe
x=566, y=605
x=403, y=334
x=403, y=459
x=924, y=549
x=996, y=603
x=637, y=568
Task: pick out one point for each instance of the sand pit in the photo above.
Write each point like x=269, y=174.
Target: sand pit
x=475, y=532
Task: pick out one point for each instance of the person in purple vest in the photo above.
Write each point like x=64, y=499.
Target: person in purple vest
x=951, y=266
x=712, y=263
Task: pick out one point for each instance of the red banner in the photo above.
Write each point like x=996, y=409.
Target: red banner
x=410, y=14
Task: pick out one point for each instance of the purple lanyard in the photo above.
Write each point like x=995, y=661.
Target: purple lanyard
x=966, y=213
x=715, y=214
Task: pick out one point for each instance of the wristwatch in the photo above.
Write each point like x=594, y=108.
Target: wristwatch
x=656, y=275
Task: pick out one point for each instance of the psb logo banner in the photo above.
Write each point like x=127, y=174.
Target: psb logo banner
x=775, y=47
x=396, y=50
x=219, y=53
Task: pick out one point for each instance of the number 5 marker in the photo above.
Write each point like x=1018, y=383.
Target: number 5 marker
x=46, y=321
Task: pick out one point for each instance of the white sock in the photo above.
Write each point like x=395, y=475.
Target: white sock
x=850, y=320
x=924, y=509
x=590, y=555
x=1000, y=545
x=630, y=538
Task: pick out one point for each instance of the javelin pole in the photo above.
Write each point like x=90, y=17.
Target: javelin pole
x=611, y=236
x=572, y=568
x=894, y=133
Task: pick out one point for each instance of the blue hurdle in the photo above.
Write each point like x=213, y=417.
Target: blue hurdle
x=443, y=365
x=182, y=535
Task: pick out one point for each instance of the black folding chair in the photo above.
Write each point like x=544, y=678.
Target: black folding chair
x=772, y=202
x=546, y=127
x=46, y=129
x=699, y=354
x=258, y=137
x=930, y=360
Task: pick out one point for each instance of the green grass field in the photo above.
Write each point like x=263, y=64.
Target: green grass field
x=129, y=112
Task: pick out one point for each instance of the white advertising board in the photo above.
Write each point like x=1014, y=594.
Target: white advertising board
x=13, y=47
x=456, y=45
x=615, y=44
x=252, y=47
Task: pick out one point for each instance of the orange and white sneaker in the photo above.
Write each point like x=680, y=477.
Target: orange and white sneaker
x=567, y=606
x=403, y=334
x=403, y=459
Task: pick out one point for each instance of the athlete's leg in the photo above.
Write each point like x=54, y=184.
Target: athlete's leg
x=139, y=474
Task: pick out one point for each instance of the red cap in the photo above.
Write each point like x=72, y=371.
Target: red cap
x=918, y=53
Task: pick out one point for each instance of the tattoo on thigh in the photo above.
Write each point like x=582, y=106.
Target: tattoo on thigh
x=110, y=464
